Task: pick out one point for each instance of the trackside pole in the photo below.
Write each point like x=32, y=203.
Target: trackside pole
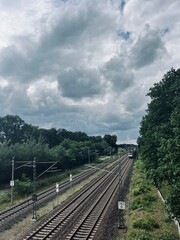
x=12, y=181
x=57, y=193
x=121, y=202
x=34, y=196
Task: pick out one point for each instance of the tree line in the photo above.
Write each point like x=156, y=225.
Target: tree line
x=159, y=140
x=24, y=142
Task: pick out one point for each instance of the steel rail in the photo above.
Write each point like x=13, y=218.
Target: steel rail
x=88, y=225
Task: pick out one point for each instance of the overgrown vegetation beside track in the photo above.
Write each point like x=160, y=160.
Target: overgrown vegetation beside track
x=147, y=217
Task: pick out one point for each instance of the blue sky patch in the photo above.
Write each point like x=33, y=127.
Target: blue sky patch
x=124, y=35
x=164, y=31
x=122, y=5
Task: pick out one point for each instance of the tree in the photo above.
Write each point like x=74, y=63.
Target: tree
x=11, y=129
x=160, y=134
x=111, y=140
x=50, y=136
x=6, y=155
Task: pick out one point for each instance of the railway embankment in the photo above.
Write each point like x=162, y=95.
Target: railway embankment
x=146, y=216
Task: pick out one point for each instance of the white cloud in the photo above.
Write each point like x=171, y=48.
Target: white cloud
x=85, y=65
x=43, y=94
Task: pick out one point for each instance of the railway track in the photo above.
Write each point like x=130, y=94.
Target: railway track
x=86, y=209
x=21, y=209
x=87, y=227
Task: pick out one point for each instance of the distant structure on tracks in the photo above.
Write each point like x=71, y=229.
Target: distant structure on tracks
x=132, y=153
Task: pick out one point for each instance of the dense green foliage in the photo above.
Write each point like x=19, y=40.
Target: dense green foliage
x=159, y=140
x=24, y=142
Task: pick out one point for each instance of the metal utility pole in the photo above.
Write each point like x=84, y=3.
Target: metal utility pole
x=12, y=181
x=70, y=179
x=121, y=202
x=91, y=152
x=34, y=196
x=88, y=156
x=57, y=192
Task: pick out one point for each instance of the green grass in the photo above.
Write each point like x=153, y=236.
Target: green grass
x=4, y=199
x=148, y=219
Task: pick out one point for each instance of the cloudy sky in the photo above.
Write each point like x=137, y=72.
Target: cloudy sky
x=85, y=65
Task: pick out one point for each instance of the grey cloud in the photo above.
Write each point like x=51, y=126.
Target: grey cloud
x=66, y=40
x=5, y=93
x=22, y=65
x=72, y=29
x=134, y=101
x=147, y=49
x=12, y=62
x=10, y=4
x=66, y=31
x=13, y=99
x=29, y=64
x=120, y=77
x=77, y=83
x=116, y=122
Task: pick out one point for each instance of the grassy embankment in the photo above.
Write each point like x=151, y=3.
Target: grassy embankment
x=147, y=218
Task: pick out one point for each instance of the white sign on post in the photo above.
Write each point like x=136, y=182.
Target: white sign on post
x=121, y=205
x=70, y=177
x=57, y=187
x=11, y=183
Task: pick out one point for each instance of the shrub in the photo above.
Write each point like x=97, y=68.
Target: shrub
x=140, y=188
x=166, y=236
x=149, y=198
x=4, y=197
x=167, y=218
x=136, y=203
x=145, y=202
x=146, y=224
x=139, y=235
x=23, y=187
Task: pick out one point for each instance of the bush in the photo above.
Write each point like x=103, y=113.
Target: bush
x=4, y=197
x=140, y=189
x=23, y=187
x=166, y=236
x=146, y=224
x=136, y=203
x=149, y=198
x=139, y=235
x=167, y=218
x=145, y=202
